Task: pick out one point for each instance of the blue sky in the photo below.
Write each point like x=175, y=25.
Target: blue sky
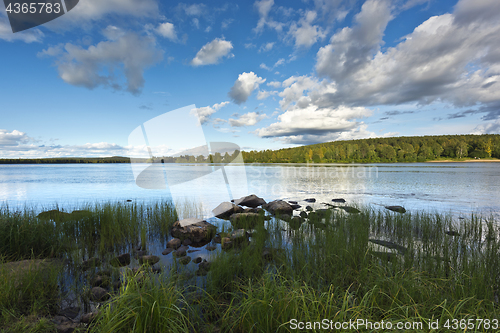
x=262, y=74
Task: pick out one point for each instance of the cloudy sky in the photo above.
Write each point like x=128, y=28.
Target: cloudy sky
x=262, y=74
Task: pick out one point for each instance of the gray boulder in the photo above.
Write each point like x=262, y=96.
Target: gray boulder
x=225, y=210
x=251, y=200
x=195, y=229
x=279, y=207
x=397, y=209
x=174, y=243
x=246, y=220
x=121, y=260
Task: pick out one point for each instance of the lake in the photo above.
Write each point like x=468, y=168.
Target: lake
x=459, y=188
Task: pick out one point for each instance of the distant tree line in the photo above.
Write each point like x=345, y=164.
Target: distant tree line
x=379, y=150
x=385, y=150
x=65, y=160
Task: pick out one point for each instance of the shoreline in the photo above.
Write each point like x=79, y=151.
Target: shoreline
x=465, y=161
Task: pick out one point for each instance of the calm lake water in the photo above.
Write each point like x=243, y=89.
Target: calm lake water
x=459, y=188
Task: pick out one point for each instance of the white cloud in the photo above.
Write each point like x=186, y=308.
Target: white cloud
x=274, y=84
x=196, y=23
x=129, y=52
x=244, y=86
x=488, y=128
x=205, y=112
x=264, y=7
x=194, y=9
x=167, y=30
x=314, y=121
x=263, y=94
x=304, y=33
x=452, y=58
x=264, y=66
x=266, y=47
x=212, y=52
x=14, y=138
x=249, y=46
x=248, y=119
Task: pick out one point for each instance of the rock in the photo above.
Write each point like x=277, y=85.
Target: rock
x=197, y=260
x=187, y=242
x=238, y=236
x=309, y=208
x=330, y=206
x=129, y=200
x=384, y=255
x=295, y=222
x=101, y=281
x=98, y=294
x=303, y=214
x=149, y=260
x=253, y=210
x=250, y=201
x=322, y=213
x=294, y=206
x=185, y=260
x=181, y=252
x=140, y=253
x=121, y=260
x=397, y=209
x=91, y=263
x=452, y=233
x=246, y=220
x=351, y=210
x=195, y=229
x=226, y=243
x=339, y=200
x=64, y=325
x=210, y=248
x=71, y=312
x=54, y=215
x=167, y=251
x=292, y=202
x=286, y=217
x=79, y=215
x=310, y=200
x=279, y=207
x=217, y=239
x=191, y=251
x=401, y=249
x=87, y=318
x=203, y=268
x=225, y=210
x=174, y=243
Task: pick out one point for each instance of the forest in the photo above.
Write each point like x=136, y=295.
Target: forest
x=377, y=150
x=385, y=150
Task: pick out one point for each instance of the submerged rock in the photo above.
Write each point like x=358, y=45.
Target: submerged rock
x=167, y=251
x=54, y=215
x=121, y=260
x=339, y=200
x=295, y=206
x=246, y=220
x=225, y=210
x=98, y=294
x=148, y=260
x=279, y=207
x=251, y=200
x=351, y=210
x=398, y=209
x=310, y=200
x=181, y=252
x=195, y=229
x=401, y=249
x=185, y=260
x=238, y=236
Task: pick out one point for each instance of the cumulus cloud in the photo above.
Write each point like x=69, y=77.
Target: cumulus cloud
x=305, y=33
x=167, y=30
x=264, y=7
x=205, y=112
x=452, y=58
x=244, y=86
x=274, y=84
x=124, y=51
x=489, y=128
x=212, y=52
x=248, y=119
x=13, y=138
x=266, y=47
x=314, y=121
x=263, y=94
x=194, y=9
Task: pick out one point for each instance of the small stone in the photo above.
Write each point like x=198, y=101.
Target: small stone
x=197, y=260
x=303, y=214
x=309, y=208
x=71, y=312
x=121, y=260
x=167, y=251
x=339, y=200
x=191, y=251
x=91, y=263
x=98, y=294
x=174, y=243
x=310, y=200
x=217, y=239
x=187, y=242
x=181, y=252
x=148, y=260
x=210, y=248
x=452, y=233
x=88, y=317
x=185, y=260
